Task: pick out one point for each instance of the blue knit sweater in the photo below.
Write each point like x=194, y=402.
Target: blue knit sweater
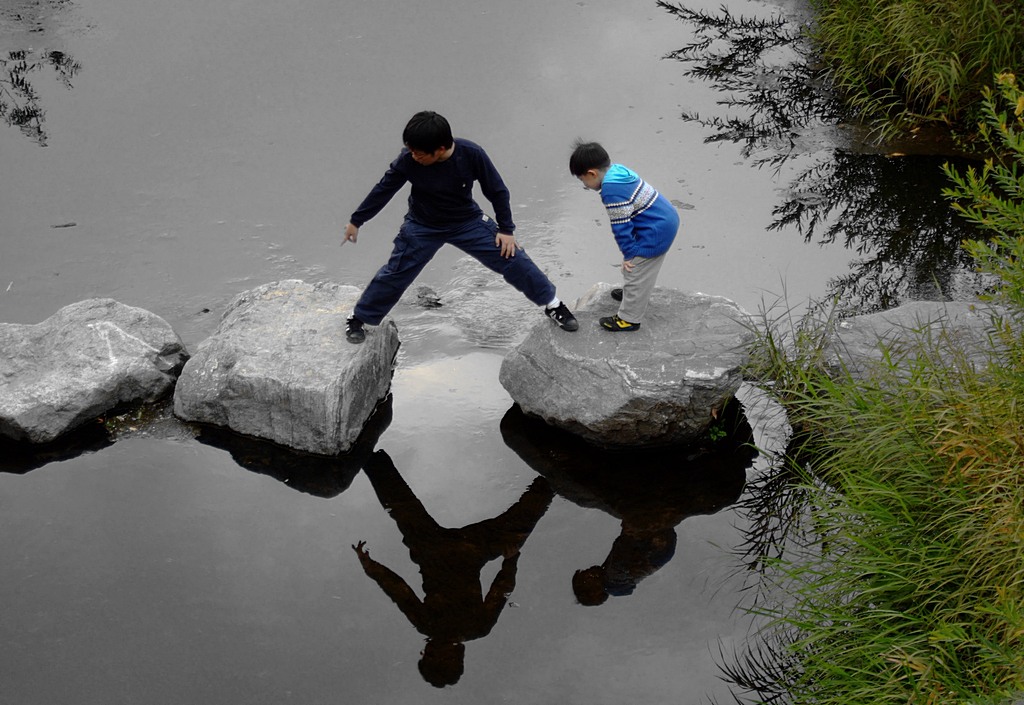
x=643, y=221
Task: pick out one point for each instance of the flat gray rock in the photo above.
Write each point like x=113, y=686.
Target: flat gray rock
x=278, y=367
x=659, y=385
x=80, y=363
x=946, y=328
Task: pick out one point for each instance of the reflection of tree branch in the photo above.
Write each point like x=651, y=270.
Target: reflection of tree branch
x=777, y=98
x=747, y=39
x=779, y=507
x=775, y=505
x=764, y=667
x=889, y=210
x=19, y=101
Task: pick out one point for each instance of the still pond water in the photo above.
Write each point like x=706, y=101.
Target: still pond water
x=200, y=150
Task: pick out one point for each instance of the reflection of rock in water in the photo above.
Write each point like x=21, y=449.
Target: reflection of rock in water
x=313, y=474
x=701, y=478
x=650, y=491
x=152, y=421
x=20, y=458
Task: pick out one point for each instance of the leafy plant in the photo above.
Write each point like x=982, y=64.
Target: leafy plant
x=993, y=198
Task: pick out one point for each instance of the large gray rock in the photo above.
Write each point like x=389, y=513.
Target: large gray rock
x=81, y=362
x=656, y=386
x=944, y=328
x=278, y=367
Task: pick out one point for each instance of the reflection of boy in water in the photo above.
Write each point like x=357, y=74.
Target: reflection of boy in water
x=650, y=491
x=454, y=609
x=638, y=552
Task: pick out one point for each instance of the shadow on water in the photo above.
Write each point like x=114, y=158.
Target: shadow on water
x=317, y=475
x=454, y=608
x=21, y=457
x=649, y=491
x=20, y=104
x=886, y=205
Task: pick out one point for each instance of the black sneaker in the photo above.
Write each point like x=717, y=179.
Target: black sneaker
x=561, y=315
x=616, y=324
x=616, y=294
x=354, y=332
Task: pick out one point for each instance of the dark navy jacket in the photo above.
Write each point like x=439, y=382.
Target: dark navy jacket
x=442, y=193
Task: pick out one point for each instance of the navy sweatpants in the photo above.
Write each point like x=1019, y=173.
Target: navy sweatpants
x=416, y=245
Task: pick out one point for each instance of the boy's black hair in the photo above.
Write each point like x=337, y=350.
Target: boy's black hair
x=587, y=156
x=427, y=131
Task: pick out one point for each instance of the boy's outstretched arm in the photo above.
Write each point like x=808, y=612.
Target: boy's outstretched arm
x=375, y=201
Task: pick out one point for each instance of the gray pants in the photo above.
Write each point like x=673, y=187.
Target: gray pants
x=637, y=287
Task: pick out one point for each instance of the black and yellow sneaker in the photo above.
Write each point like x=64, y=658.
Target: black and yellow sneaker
x=354, y=332
x=616, y=324
x=561, y=315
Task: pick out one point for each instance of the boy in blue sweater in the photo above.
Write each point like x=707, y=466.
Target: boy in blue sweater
x=644, y=224
x=441, y=171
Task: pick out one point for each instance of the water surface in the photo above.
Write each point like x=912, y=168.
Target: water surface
x=198, y=151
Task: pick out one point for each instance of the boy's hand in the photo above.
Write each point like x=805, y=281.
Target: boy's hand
x=351, y=233
x=627, y=264
x=507, y=243
x=360, y=549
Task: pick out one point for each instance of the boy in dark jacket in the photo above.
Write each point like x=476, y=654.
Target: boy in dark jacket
x=644, y=224
x=441, y=170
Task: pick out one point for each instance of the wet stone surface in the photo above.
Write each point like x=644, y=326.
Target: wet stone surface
x=279, y=368
x=659, y=385
x=85, y=360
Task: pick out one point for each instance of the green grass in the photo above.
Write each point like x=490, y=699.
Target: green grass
x=906, y=582
x=909, y=586
x=903, y=64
